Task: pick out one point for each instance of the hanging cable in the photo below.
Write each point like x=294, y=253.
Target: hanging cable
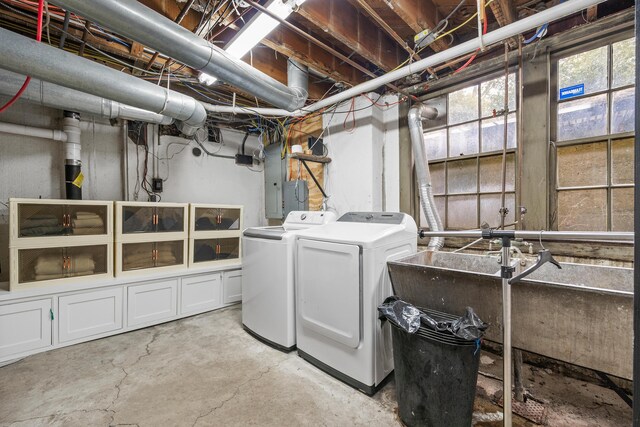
x=12, y=101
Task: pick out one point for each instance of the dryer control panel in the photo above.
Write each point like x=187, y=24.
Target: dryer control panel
x=374, y=217
x=308, y=218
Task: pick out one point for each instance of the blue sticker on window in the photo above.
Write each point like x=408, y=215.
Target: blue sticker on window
x=572, y=91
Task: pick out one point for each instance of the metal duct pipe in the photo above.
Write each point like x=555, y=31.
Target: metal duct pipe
x=251, y=111
x=298, y=78
x=416, y=113
x=142, y=24
x=72, y=160
x=62, y=98
x=54, y=134
x=22, y=55
x=503, y=33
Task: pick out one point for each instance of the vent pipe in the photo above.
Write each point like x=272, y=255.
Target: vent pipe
x=133, y=20
x=62, y=98
x=298, y=78
x=416, y=114
x=72, y=160
x=23, y=55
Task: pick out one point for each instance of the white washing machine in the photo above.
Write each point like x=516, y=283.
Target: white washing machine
x=341, y=278
x=268, y=290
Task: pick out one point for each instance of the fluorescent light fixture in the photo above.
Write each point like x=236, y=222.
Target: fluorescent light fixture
x=259, y=27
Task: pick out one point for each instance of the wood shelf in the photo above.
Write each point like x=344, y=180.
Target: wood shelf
x=310, y=158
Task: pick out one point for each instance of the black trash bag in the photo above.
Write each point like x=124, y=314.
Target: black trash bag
x=401, y=313
x=408, y=317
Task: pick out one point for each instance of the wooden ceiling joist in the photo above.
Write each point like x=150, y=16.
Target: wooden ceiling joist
x=340, y=21
x=419, y=15
x=504, y=11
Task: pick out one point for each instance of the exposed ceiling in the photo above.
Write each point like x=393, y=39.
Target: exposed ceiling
x=344, y=42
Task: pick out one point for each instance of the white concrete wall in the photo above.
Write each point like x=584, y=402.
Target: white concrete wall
x=364, y=172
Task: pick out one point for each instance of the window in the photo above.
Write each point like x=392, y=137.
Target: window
x=465, y=154
x=594, y=142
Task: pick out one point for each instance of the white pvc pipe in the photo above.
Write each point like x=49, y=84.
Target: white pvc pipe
x=563, y=9
x=56, y=135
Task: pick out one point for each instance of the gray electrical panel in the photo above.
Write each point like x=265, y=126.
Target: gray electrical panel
x=274, y=175
x=296, y=196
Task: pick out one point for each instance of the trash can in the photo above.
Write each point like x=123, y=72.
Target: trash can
x=435, y=373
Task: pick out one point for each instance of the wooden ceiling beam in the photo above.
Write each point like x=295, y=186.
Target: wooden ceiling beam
x=419, y=15
x=504, y=11
x=340, y=21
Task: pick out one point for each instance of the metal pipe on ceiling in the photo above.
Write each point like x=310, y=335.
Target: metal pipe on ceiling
x=553, y=13
x=23, y=55
x=142, y=24
x=62, y=98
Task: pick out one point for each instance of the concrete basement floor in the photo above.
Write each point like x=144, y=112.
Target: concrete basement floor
x=205, y=370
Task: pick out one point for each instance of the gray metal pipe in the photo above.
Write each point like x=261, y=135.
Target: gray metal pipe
x=62, y=98
x=23, y=55
x=142, y=24
x=550, y=236
x=298, y=78
x=416, y=114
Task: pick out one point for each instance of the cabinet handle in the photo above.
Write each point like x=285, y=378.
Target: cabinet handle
x=218, y=249
x=51, y=314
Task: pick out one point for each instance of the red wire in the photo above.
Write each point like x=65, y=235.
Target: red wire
x=466, y=64
x=12, y=101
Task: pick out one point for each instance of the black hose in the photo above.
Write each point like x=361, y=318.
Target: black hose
x=65, y=28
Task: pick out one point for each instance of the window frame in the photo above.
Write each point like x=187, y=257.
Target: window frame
x=436, y=99
x=554, y=102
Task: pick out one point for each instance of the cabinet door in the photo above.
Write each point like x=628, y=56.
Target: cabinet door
x=169, y=253
x=170, y=219
x=204, y=250
x=151, y=303
x=86, y=220
x=138, y=219
x=228, y=248
x=232, y=286
x=201, y=293
x=229, y=219
x=206, y=219
x=24, y=326
x=38, y=220
x=88, y=314
x=86, y=260
x=138, y=256
x=35, y=265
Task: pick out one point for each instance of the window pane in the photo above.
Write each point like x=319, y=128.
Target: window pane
x=582, y=165
x=492, y=95
x=622, y=111
x=582, y=118
x=491, y=173
x=582, y=210
x=463, y=139
x=436, y=144
x=490, y=205
x=463, y=176
x=622, y=209
x=437, y=178
x=463, y=105
x=588, y=68
x=462, y=212
x=622, y=161
x=624, y=62
x=493, y=133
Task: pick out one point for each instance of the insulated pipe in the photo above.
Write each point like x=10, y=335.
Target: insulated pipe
x=251, y=111
x=72, y=158
x=54, y=134
x=23, y=55
x=547, y=236
x=298, y=78
x=416, y=114
x=62, y=98
x=502, y=33
x=142, y=24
